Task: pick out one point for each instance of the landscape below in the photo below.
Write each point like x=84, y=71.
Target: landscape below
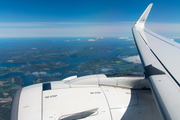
x=28, y=61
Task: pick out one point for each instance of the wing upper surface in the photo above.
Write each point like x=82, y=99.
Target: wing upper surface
x=161, y=61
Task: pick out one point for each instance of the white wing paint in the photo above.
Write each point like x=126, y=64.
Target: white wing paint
x=161, y=60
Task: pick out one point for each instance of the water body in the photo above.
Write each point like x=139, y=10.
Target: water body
x=9, y=75
x=9, y=65
x=74, y=61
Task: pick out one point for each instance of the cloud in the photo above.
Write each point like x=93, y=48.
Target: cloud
x=35, y=24
x=23, y=24
x=91, y=40
x=37, y=74
x=67, y=41
x=64, y=29
x=82, y=29
x=43, y=74
x=176, y=37
x=30, y=24
x=132, y=46
x=106, y=69
x=99, y=38
x=134, y=59
x=56, y=74
x=123, y=37
x=130, y=39
x=34, y=48
x=164, y=29
x=126, y=38
x=78, y=39
x=24, y=66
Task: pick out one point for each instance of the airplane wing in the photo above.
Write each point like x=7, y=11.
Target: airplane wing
x=161, y=61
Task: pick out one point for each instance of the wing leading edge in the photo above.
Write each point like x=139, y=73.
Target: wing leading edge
x=160, y=58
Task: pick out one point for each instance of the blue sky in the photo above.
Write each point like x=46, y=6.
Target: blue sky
x=85, y=18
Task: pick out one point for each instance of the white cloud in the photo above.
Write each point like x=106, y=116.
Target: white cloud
x=27, y=24
x=34, y=48
x=23, y=24
x=39, y=74
x=132, y=46
x=176, y=37
x=43, y=74
x=123, y=37
x=164, y=29
x=56, y=74
x=64, y=29
x=134, y=59
x=67, y=41
x=82, y=29
x=106, y=69
x=24, y=66
x=126, y=38
x=32, y=24
x=91, y=40
x=130, y=39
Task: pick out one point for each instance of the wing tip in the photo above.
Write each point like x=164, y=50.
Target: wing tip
x=141, y=21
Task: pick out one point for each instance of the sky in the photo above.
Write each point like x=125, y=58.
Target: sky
x=86, y=18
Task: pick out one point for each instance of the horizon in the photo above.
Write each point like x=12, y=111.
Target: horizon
x=90, y=18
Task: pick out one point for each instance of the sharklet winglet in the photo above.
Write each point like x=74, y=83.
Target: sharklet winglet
x=141, y=22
